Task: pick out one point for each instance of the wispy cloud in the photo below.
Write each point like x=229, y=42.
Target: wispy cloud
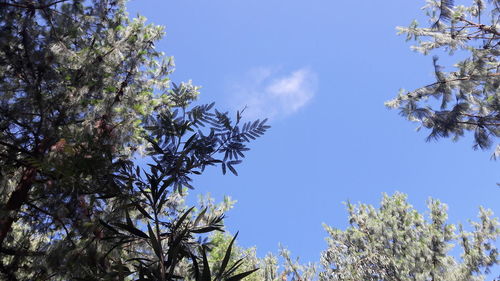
x=268, y=93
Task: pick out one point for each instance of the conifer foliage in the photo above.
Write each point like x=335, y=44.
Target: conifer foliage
x=83, y=91
x=390, y=242
x=468, y=95
x=396, y=242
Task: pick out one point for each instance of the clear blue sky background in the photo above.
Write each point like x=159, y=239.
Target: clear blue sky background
x=322, y=71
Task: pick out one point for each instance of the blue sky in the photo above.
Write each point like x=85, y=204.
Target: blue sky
x=321, y=70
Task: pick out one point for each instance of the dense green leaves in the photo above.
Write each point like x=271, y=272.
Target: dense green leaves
x=391, y=242
x=396, y=242
x=83, y=92
x=188, y=142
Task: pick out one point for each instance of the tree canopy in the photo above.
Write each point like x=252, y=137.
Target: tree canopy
x=465, y=99
x=390, y=242
x=396, y=242
x=83, y=92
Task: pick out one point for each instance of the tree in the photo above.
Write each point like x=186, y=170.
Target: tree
x=396, y=242
x=468, y=96
x=271, y=267
x=83, y=92
x=391, y=242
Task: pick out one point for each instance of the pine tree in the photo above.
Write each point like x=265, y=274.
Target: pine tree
x=468, y=96
x=391, y=242
x=83, y=92
x=396, y=242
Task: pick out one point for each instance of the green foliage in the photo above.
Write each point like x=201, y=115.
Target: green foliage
x=467, y=98
x=391, y=242
x=83, y=92
x=270, y=267
x=396, y=242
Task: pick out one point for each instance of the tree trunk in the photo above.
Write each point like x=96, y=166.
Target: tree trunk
x=16, y=200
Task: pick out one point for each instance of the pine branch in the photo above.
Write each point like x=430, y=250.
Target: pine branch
x=445, y=8
x=483, y=27
x=32, y=6
x=448, y=81
x=479, y=124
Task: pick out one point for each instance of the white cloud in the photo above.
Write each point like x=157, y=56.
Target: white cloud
x=267, y=93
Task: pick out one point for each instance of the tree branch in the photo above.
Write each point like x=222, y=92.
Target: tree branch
x=483, y=27
x=31, y=5
x=478, y=123
x=452, y=80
